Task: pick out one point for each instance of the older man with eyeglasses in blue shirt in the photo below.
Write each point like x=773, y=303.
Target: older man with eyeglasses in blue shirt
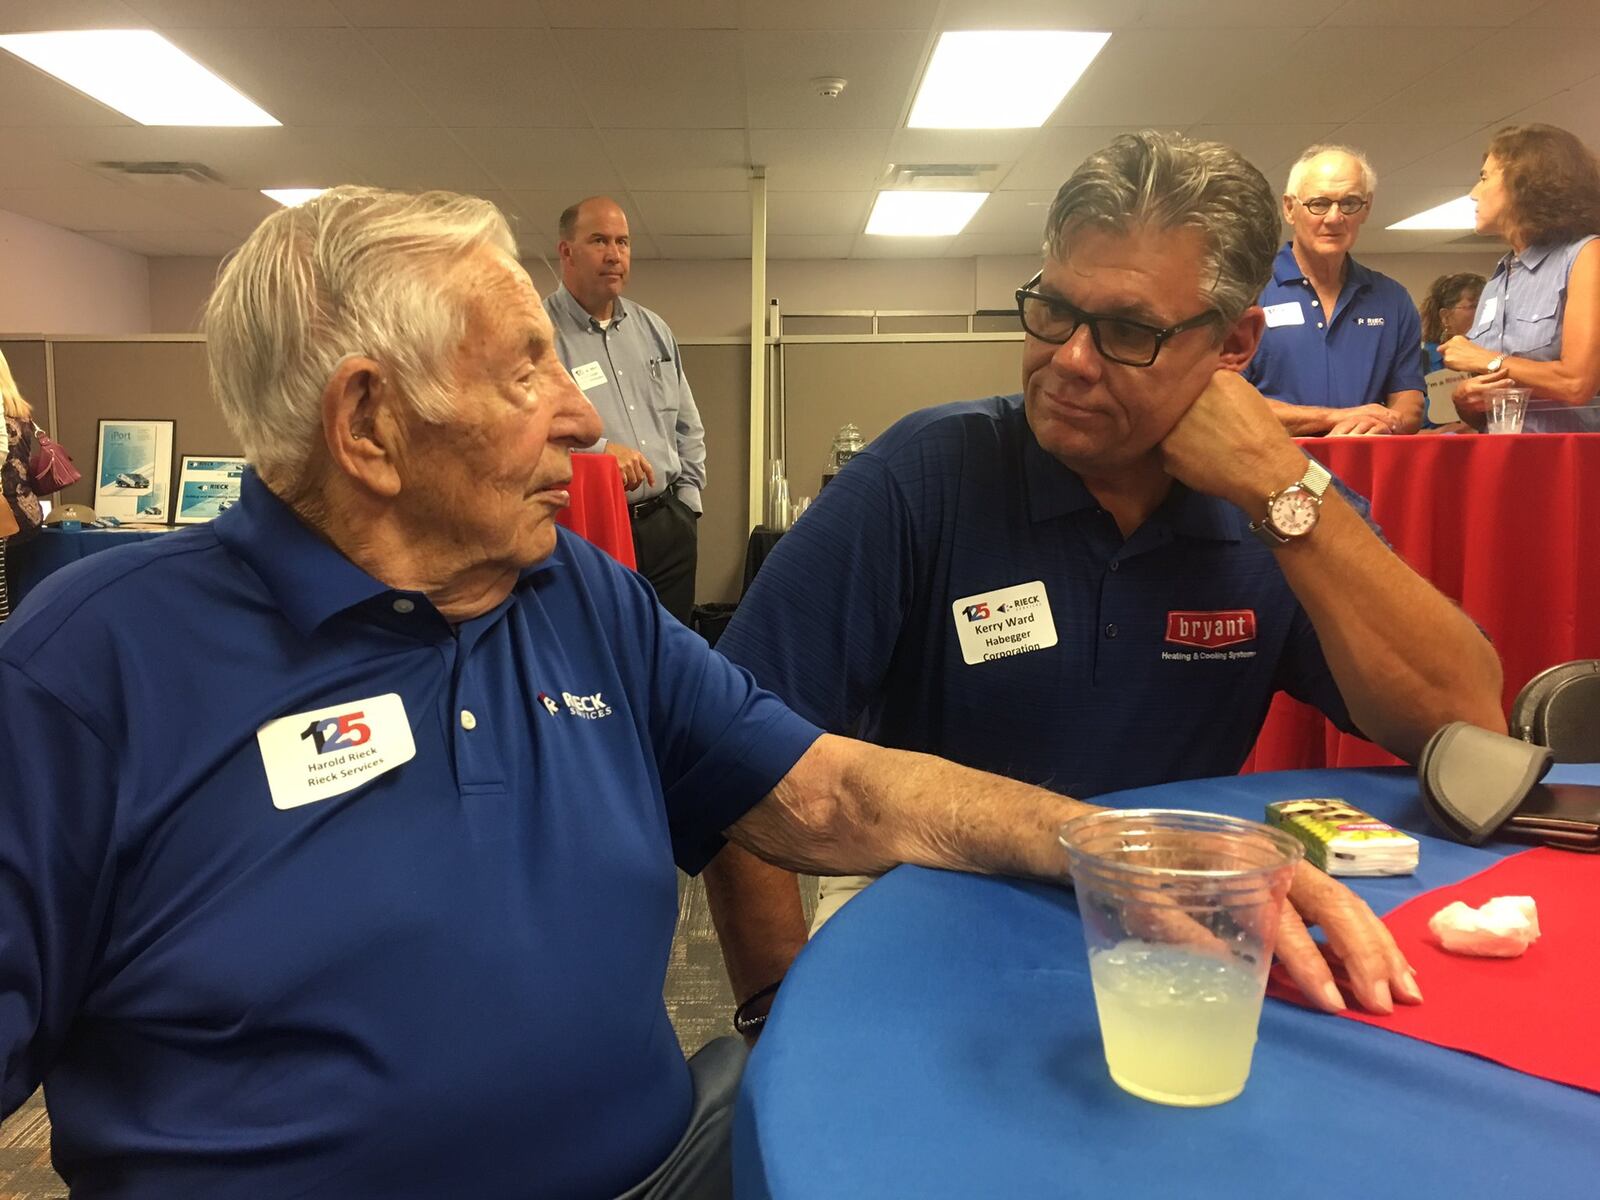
x=1340, y=351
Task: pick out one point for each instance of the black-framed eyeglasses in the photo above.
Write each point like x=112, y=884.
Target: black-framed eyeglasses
x=1131, y=343
x=1318, y=206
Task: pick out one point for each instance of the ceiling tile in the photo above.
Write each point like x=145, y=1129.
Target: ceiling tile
x=430, y=14
x=36, y=16
x=1565, y=14
x=1015, y=214
x=495, y=77
x=641, y=14
x=1233, y=14
x=788, y=245
x=245, y=157
x=1270, y=148
x=680, y=160
x=873, y=246
x=657, y=78
x=880, y=67
x=1055, y=155
x=838, y=213
x=1526, y=69
x=837, y=14
x=304, y=76
x=809, y=160
x=172, y=245
x=1171, y=77
x=1423, y=15
x=417, y=159
x=681, y=246
x=543, y=159
x=1391, y=147
x=239, y=14
x=697, y=214
x=1001, y=146
x=96, y=205
x=1577, y=109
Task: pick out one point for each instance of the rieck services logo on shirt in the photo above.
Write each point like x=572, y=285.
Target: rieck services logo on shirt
x=326, y=752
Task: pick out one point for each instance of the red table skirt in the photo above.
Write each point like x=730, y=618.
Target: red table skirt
x=599, y=510
x=1506, y=526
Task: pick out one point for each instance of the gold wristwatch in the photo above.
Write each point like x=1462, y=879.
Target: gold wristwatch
x=1292, y=512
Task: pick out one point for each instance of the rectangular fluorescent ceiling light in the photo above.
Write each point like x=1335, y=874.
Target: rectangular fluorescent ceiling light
x=289, y=197
x=1460, y=213
x=139, y=73
x=923, y=214
x=1001, y=80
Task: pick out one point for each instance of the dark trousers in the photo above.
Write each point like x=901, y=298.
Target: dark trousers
x=700, y=1167
x=667, y=547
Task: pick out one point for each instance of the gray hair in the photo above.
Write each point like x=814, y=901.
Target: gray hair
x=355, y=271
x=1369, y=177
x=1166, y=181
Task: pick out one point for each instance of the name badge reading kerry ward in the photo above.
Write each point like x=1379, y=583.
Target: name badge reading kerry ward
x=1005, y=622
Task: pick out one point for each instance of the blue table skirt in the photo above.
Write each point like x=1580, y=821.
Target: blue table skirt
x=938, y=1039
x=53, y=549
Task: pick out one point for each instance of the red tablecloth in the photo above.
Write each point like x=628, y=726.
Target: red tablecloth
x=599, y=509
x=1508, y=527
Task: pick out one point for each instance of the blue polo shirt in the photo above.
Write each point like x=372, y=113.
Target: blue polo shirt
x=1367, y=352
x=1166, y=648
x=310, y=894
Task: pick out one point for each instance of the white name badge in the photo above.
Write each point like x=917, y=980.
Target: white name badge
x=1490, y=307
x=1009, y=621
x=311, y=756
x=588, y=376
x=1287, y=313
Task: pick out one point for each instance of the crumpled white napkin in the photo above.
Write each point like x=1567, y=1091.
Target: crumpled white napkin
x=1501, y=928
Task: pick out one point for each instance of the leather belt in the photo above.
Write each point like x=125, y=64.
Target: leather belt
x=645, y=507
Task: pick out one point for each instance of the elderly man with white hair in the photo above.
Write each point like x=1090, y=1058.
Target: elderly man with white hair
x=1340, y=352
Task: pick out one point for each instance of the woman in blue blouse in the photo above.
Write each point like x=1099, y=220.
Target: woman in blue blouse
x=1538, y=321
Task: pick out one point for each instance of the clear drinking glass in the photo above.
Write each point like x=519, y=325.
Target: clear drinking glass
x=1180, y=914
x=1506, y=409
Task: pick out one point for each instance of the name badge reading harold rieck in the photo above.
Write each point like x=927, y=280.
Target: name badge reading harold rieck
x=1005, y=622
x=325, y=752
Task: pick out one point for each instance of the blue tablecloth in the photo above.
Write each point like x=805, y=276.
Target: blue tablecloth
x=53, y=549
x=938, y=1039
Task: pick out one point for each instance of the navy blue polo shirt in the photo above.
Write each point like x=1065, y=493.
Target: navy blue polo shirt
x=1367, y=352
x=914, y=603
x=311, y=894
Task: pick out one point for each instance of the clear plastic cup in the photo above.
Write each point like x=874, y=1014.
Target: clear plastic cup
x=1180, y=914
x=1505, y=410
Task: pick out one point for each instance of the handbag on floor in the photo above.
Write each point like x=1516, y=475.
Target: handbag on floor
x=50, y=466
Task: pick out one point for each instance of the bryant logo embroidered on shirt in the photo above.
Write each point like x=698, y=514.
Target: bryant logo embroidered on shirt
x=1211, y=630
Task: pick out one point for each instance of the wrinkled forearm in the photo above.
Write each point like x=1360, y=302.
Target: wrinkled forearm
x=1303, y=420
x=848, y=807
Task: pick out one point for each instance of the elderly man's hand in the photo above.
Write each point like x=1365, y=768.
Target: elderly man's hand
x=636, y=468
x=1378, y=974
x=1229, y=444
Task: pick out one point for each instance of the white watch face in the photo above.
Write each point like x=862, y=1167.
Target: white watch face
x=1293, y=512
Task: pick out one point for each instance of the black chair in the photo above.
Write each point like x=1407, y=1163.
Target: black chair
x=1560, y=708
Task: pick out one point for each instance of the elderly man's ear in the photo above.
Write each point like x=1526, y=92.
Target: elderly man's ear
x=362, y=427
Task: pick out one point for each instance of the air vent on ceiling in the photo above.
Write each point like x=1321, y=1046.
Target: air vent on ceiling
x=160, y=173
x=944, y=177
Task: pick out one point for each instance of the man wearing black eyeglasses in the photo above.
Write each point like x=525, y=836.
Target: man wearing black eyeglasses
x=1102, y=582
x=1339, y=355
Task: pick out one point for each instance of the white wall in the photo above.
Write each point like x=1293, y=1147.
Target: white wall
x=53, y=281
x=179, y=288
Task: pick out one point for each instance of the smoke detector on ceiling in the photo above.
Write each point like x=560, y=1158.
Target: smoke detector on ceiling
x=829, y=87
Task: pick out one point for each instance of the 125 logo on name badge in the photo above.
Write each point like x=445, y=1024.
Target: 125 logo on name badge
x=1001, y=624
x=326, y=752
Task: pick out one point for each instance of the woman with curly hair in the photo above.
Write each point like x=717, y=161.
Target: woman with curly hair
x=1538, y=321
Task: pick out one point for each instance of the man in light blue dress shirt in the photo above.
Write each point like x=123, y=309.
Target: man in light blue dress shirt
x=626, y=360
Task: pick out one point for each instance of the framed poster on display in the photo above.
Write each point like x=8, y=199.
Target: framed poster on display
x=208, y=485
x=133, y=471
